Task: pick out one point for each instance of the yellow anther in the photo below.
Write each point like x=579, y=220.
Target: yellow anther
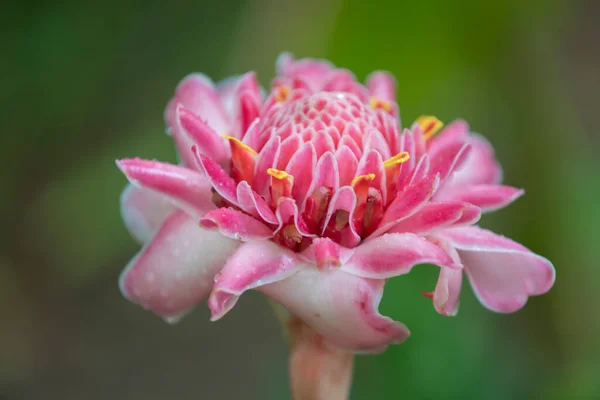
x=397, y=159
x=282, y=93
x=362, y=178
x=277, y=174
x=376, y=102
x=238, y=143
x=429, y=125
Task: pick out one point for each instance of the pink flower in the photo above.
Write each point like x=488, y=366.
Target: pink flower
x=313, y=196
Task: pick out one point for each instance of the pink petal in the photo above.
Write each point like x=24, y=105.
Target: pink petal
x=175, y=270
x=223, y=184
x=287, y=209
x=347, y=159
x=487, y=197
x=502, y=272
x=432, y=216
x=197, y=93
x=446, y=296
x=266, y=159
x=345, y=200
x=236, y=225
x=372, y=163
x=326, y=173
x=457, y=131
x=190, y=130
x=375, y=140
x=252, y=203
x=324, y=252
x=481, y=167
x=381, y=84
x=310, y=70
x=448, y=159
x=143, y=211
x=339, y=306
x=227, y=89
x=410, y=200
x=394, y=254
x=187, y=189
x=301, y=167
x=254, y=264
x=248, y=104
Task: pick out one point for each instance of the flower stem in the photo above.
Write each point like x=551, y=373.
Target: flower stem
x=318, y=369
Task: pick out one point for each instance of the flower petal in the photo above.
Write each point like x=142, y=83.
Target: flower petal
x=455, y=131
x=190, y=130
x=339, y=306
x=235, y=224
x=175, y=270
x=410, y=200
x=446, y=296
x=432, y=216
x=253, y=264
x=143, y=211
x=502, y=272
x=324, y=252
x=381, y=84
x=487, y=197
x=252, y=203
x=188, y=189
x=395, y=254
x=223, y=184
x=196, y=92
x=481, y=167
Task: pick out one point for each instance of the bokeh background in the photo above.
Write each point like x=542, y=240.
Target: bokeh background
x=84, y=83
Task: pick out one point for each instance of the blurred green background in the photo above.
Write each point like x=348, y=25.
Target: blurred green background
x=84, y=83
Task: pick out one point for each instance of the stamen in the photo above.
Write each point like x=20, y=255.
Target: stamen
x=281, y=184
x=397, y=159
x=237, y=143
x=282, y=93
x=430, y=125
x=242, y=160
x=376, y=103
x=362, y=179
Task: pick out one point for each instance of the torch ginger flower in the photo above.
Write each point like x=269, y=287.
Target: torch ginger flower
x=314, y=196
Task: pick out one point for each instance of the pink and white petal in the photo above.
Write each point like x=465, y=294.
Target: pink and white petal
x=324, y=252
x=197, y=93
x=186, y=188
x=175, y=270
x=409, y=201
x=267, y=158
x=301, y=167
x=395, y=254
x=235, y=224
x=381, y=84
x=446, y=296
x=254, y=264
x=310, y=70
x=486, y=197
x=190, y=130
x=252, y=203
x=432, y=216
x=481, y=167
x=343, y=200
x=455, y=131
x=339, y=306
x=346, y=157
x=220, y=180
x=286, y=209
x=227, y=89
x=374, y=139
x=448, y=159
x=502, y=272
x=143, y=211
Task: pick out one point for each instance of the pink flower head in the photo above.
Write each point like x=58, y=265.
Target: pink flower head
x=314, y=196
